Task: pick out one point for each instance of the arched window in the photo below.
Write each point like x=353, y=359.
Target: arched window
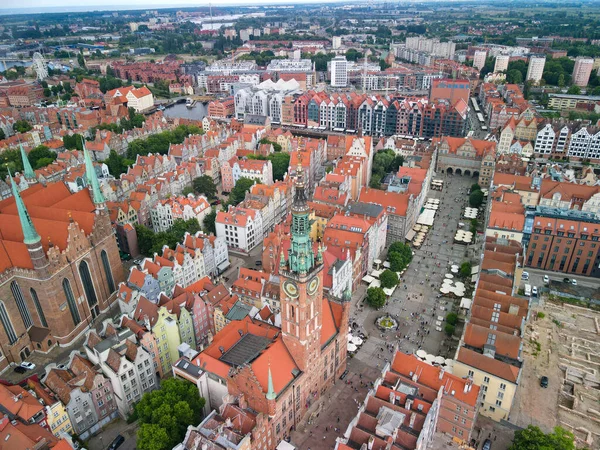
x=6, y=323
x=71, y=301
x=38, y=307
x=88, y=284
x=107, y=271
x=18, y=295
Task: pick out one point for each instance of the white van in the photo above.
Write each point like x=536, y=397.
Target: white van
x=528, y=290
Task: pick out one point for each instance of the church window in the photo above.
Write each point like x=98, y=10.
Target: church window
x=88, y=285
x=7, y=324
x=20, y=300
x=108, y=272
x=71, y=301
x=38, y=307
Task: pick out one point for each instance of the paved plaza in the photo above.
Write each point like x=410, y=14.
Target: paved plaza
x=417, y=302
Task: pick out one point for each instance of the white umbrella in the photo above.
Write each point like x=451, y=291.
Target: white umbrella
x=352, y=347
x=357, y=341
x=449, y=362
x=439, y=360
x=421, y=353
x=453, y=270
x=449, y=275
x=350, y=337
x=429, y=358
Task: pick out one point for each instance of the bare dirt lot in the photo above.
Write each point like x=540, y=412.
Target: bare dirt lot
x=562, y=344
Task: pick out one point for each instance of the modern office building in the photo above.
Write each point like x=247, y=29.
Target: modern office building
x=501, y=63
x=339, y=71
x=479, y=59
x=535, y=68
x=582, y=71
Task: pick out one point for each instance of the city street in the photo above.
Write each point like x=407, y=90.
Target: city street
x=411, y=305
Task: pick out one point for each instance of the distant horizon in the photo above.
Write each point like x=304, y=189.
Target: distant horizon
x=74, y=6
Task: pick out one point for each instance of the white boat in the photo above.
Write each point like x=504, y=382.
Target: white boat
x=189, y=103
x=160, y=107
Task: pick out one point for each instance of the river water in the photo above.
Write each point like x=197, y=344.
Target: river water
x=198, y=112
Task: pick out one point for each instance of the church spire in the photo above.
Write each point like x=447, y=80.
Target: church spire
x=271, y=395
x=30, y=236
x=92, y=177
x=301, y=254
x=27, y=169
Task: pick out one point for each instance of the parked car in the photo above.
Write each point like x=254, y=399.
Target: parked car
x=20, y=369
x=258, y=263
x=487, y=445
x=534, y=291
x=574, y=282
x=343, y=375
x=546, y=279
x=544, y=381
x=116, y=443
x=566, y=280
x=525, y=276
x=27, y=365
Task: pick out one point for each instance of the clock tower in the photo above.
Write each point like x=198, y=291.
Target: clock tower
x=301, y=285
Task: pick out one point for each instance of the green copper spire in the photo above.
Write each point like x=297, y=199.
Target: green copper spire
x=27, y=169
x=30, y=236
x=91, y=177
x=301, y=255
x=270, y=391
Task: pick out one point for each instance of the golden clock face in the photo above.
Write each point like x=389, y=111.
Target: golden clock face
x=290, y=289
x=313, y=285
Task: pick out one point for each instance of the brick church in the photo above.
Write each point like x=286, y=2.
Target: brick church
x=275, y=373
x=59, y=264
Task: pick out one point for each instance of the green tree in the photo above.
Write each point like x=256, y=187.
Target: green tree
x=116, y=164
x=2, y=135
x=280, y=162
x=41, y=152
x=399, y=256
x=452, y=318
x=465, y=270
x=475, y=187
x=514, y=77
x=473, y=226
x=388, y=279
x=80, y=60
x=168, y=410
x=238, y=193
x=22, y=126
x=449, y=329
x=476, y=199
x=574, y=90
x=561, y=80
x=375, y=297
x=152, y=437
x=209, y=222
x=43, y=162
x=532, y=438
x=187, y=191
x=205, y=185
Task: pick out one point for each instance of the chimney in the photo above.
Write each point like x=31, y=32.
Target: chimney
x=371, y=442
x=413, y=417
x=408, y=404
x=442, y=371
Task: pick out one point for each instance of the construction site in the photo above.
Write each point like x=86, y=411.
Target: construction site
x=562, y=344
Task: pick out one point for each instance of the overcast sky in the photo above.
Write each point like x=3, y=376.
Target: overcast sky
x=77, y=5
